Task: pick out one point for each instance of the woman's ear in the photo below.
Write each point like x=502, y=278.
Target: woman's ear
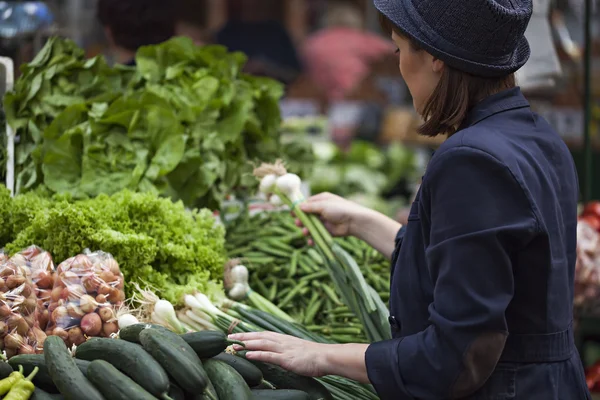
x=438, y=65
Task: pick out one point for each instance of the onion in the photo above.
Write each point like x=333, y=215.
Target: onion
x=43, y=278
x=26, y=349
x=5, y=311
x=76, y=336
x=91, y=324
x=101, y=299
x=56, y=293
x=14, y=281
x=127, y=320
x=60, y=332
x=107, y=276
x=106, y=314
x=112, y=266
x=110, y=328
x=74, y=311
x=13, y=341
x=87, y=303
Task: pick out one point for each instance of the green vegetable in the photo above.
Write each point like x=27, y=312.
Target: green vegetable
x=228, y=382
x=207, y=344
x=114, y=384
x=7, y=383
x=129, y=358
x=23, y=389
x=184, y=123
x=282, y=394
x=131, y=333
x=249, y=372
x=187, y=372
x=66, y=375
x=155, y=241
x=39, y=394
x=5, y=369
x=283, y=379
x=175, y=392
x=42, y=379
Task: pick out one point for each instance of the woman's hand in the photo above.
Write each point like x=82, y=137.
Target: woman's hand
x=338, y=214
x=342, y=217
x=306, y=358
x=293, y=354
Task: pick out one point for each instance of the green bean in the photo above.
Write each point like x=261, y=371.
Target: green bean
x=294, y=292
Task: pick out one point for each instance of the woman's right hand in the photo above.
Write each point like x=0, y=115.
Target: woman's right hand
x=337, y=214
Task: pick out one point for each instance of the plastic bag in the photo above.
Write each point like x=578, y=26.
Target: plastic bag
x=19, y=307
x=87, y=290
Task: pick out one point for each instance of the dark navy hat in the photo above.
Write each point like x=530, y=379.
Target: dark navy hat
x=481, y=37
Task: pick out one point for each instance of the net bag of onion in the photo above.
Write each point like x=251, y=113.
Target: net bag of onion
x=20, y=310
x=88, y=289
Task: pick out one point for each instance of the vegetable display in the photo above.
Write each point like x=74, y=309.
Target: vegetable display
x=587, y=268
x=156, y=242
x=183, y=123
x=361, y=298
x=285, y=270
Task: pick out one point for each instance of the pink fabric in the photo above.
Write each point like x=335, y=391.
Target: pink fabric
x=338, y=59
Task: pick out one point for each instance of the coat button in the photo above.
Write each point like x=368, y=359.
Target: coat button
x=393, y=322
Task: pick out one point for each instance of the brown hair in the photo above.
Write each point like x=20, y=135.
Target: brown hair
x=455, y=95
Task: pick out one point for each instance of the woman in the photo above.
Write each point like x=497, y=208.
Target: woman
x=482, y=278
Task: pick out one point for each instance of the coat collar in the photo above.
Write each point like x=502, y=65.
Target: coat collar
x=506, y=100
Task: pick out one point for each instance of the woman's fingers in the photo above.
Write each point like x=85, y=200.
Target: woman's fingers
x=265, y=356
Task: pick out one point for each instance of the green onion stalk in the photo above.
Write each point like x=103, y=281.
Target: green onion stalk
x=235, y=281
x=349, y=281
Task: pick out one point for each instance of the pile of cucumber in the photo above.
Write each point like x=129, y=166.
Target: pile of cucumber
x=151, y=362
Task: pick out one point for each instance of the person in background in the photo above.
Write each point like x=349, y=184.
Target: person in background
x=338, y=57
x=191, y=20
x=131, y=24
x=253, y=30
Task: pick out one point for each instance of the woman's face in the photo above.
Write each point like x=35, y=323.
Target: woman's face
x=420, y=70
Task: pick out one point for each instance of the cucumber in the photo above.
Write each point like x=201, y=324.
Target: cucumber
x=246, y=369
x=129, y=358
x=208, y=344
x=39, y=394
x=175, y=392
x=131, y=333
x=211, y=393
x=6, y=369
x=280, y=394
x=115, y=385
x=229, y=384
x=65, y=373
x=283, y=379
x=189, y=375
x=42, y=378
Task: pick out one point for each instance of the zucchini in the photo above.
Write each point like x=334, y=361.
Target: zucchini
x=281, y=394
x=208, y=344
x=283, y=379
x=131, y=333
x=115, y=385
x=129, y=358
x=229, y=384
x=245, y=368
x=42, y=378
x=189, y=375
x=65, y=373
x=39, y=394
x=6, y=369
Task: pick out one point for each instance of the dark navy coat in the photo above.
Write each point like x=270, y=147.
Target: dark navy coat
x=482, y=279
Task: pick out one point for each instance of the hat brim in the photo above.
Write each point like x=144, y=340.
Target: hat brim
x=396, y=12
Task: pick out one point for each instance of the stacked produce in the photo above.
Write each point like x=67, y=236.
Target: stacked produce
x=362, y=299
x=156, y=242
x=587, y=269
x=290, y=273
x=184, y=123
x=221, y=314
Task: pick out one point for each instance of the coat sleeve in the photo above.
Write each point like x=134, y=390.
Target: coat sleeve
x=477, y=216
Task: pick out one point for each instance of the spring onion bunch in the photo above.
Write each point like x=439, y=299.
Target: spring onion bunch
x=236, y=284
x=347, y=278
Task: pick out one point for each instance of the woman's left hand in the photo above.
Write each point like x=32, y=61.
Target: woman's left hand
x=293, y=354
